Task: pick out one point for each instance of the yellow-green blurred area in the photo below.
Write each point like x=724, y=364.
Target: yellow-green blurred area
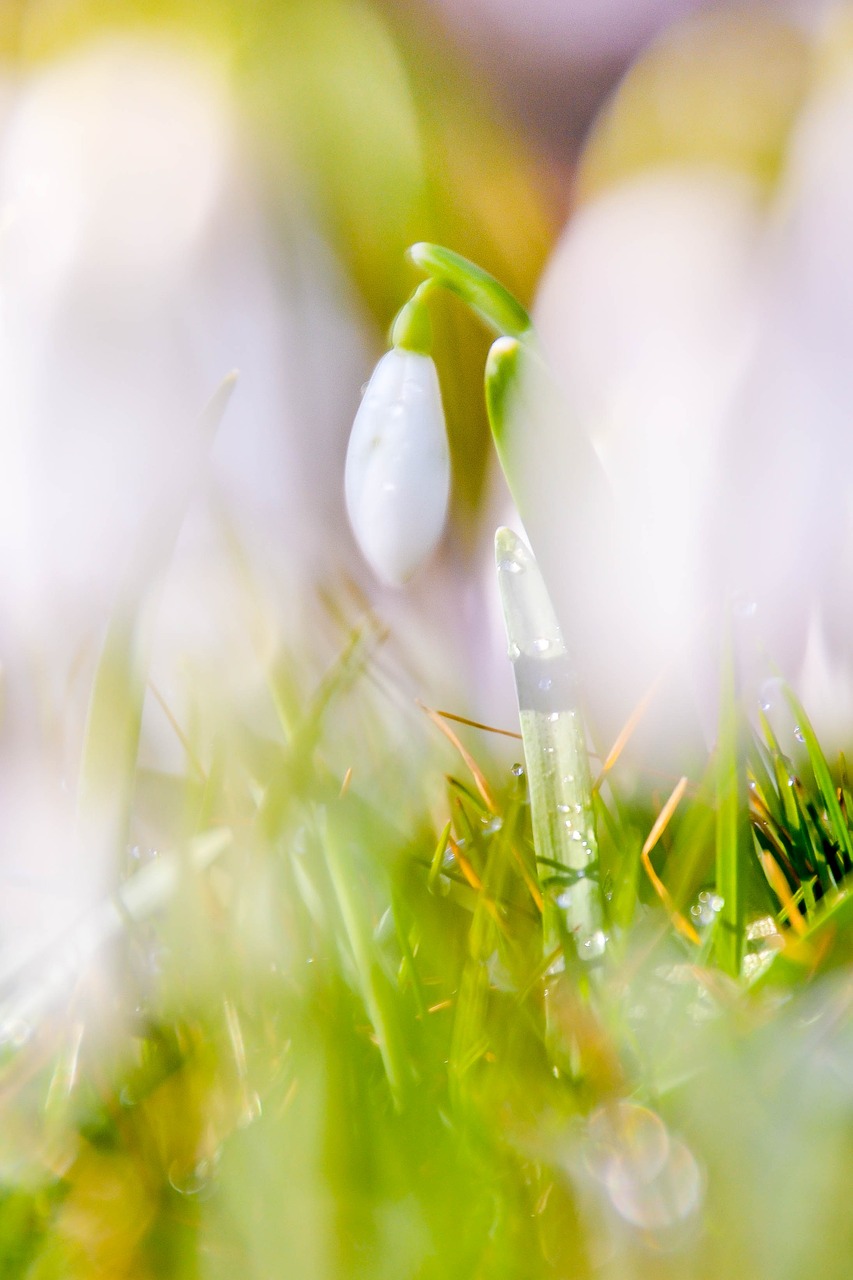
x=723, y=90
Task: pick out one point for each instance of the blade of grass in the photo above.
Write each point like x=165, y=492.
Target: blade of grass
x=555, y=753
x=823, y=778
x=734, y=836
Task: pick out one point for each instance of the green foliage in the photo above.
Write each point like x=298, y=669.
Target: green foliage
x=335, y=1047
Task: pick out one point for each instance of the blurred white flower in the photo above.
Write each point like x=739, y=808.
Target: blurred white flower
x=702, y=340
x=397, y=477
x=647, y=311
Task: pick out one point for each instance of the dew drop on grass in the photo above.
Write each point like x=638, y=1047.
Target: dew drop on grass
x=509, y=564
x=798, y=734
x=651, y=1178
x=197, y=1181
x=541, y=644
x=517, y=770
x=595, y=945
x=705, y=910
x=769, y=695
x=661, y=1201
x=251, y=1112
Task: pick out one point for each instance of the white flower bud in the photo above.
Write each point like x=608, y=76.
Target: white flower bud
x=398, y=466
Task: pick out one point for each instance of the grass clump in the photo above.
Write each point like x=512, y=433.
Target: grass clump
x=330, y=1040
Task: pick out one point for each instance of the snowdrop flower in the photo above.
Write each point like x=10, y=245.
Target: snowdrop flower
x=397, y=477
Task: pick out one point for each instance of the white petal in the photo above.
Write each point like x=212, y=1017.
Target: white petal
x=398, y=466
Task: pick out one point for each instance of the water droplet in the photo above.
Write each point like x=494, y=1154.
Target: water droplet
x=621, y=1130
x=514, y=652
x=386, y=928
x=659, y=1201
x=563, y=808
x=595, y=945
x=541, y=644
x=517, y=771
x=492, y=825
x=499, y=976
x=197, y=1181
x=510, y=565
x=576, y=835
x=704, y=911
x=769, y=695
x=763, y=927
x=798, y=734
x=545, y=684
x=252, y=1110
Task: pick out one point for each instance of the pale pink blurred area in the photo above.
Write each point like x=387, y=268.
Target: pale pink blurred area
x=556, y=61
x=565, y=29
x=137, y=269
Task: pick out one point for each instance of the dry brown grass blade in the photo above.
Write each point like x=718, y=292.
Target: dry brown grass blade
x=478, y=724
x=627, y=732
x=684, y=927
x=476, y=772
x=475, y=882
x=779, y=884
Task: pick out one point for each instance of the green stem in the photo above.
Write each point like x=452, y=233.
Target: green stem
x=493, y=303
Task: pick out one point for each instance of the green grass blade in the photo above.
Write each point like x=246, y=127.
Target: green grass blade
x=823, y=778
x=555, y=753
x=734, y=835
